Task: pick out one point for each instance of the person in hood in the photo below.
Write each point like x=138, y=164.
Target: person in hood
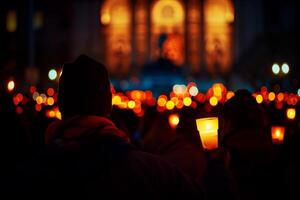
x=88, y=157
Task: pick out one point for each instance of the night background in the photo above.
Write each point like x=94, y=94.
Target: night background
x=169, y=61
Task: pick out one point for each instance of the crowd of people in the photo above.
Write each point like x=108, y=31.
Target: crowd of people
x=99, y=151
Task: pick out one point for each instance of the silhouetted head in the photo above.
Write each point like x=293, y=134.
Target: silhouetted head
x=242, y=111
x=84, y=88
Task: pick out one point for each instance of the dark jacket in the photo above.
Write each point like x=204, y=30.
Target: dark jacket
x=251, y=163
x=89, y=158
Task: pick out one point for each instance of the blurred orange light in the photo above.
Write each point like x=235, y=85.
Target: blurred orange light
x=51, y=114
x=50, y=101
x=11, y=85
x=131, y=104
x=277, y=133
x=187, y=101
x=280, y=97
x=58, y=115
x=291, y=113
x=229, y=95
x=162, y=100
x=259, y=99
x=50, y=92
x=213, y=101
x=39, y=100
x=173, y=120
x=170, y=105
x=217, y=89
x=105, y=18
x=179, y=104
x=271, y=96
x=116, y=100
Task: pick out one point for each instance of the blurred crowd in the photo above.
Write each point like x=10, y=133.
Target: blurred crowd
x=253, y=167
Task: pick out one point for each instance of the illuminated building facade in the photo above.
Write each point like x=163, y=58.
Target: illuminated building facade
x=199, y=34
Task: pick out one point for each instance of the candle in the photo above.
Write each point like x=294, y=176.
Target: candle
x=173, y=120
x=277, y=134
x=208, y=130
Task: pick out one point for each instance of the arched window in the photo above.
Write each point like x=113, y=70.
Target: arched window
x=116, y=17
x=167, y=18
x=218, y=16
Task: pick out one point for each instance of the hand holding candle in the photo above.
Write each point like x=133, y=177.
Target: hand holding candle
x=277, y=134
x=208, y=130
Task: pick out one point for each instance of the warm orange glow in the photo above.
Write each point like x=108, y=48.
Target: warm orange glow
x=213, y=101
x=105, y=18
x=291, y=113
x=170, y=105
x=116, y=100
x=167, y=13
x=58, y=115
x=219, y=11
x=218, y=15
x=217, y=89
x=187, y=101
x=229, y=95
x=280, y=97
x=179, y=104
x=51, y=114
x=50, y=92
x=208, y=130
x=131, y=104
x=173, y=120
x=277, y=134
x=259, y=99
x=162, y=100
x=50, y=101
x=39, y=100
x=11, y=85
x=271, y=96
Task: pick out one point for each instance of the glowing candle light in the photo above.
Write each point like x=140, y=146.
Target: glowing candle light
x=291, y=113
x=173, y=120
x=277, y=133
x=11, y=86
x=208, y=130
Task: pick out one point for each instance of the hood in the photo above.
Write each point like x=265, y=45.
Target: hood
x=72, y=132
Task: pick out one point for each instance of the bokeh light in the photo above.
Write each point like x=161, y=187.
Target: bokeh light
x=173, y=120
x=187, y=101
x=271, y=96
x=259, y=99
x=193, y=91
x=52, y=75
x=11, y=85
x=213, y=101
x=275, y=68
x=285, y=68
x=291, y=113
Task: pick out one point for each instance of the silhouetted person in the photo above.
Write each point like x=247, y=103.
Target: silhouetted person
x=185, y=149
x=88, y=157
x=249, y=144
